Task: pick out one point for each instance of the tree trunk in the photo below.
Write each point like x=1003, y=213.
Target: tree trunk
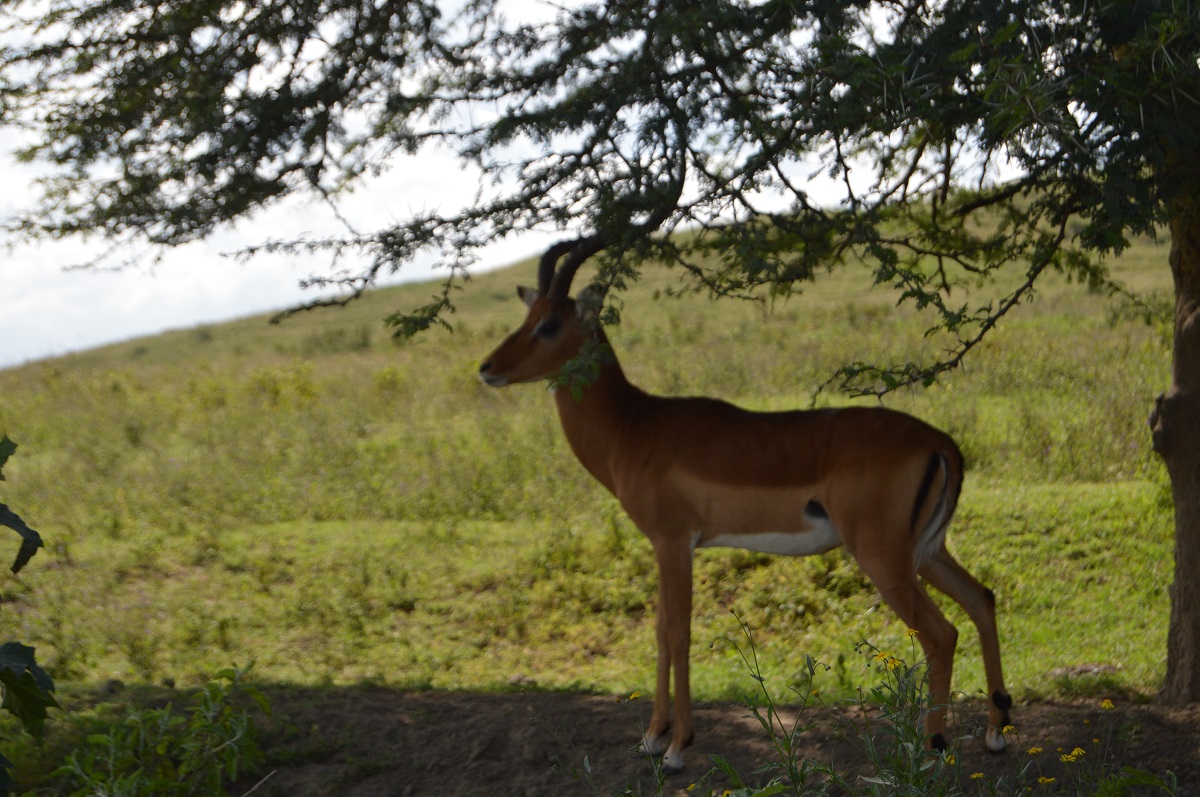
x=1175, y=426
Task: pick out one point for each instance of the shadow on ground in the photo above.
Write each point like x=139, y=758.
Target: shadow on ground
x=360, y=742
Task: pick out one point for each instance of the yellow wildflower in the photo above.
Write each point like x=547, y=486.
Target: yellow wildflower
x=1007, y=729
x=1034, y=750
x=910, y=633
x=1107, y=704
x=1044, y=780
x=635, y=695
x=976, y=775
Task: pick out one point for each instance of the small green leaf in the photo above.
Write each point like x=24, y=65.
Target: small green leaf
x=7, y=448
x=27, y=687
x=721, y=763
x=31, y=540
x=259, y=698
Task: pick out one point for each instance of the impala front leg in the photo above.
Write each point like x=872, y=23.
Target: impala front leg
x=657, y=737
x=673, y=627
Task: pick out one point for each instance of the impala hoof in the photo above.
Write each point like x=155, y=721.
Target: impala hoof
x=672, y=759
x=994, y=738
x=653, y=745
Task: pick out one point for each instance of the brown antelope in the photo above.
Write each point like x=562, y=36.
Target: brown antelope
x=698, y=472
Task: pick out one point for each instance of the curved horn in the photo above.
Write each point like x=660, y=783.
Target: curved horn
x=580, y=251
x=549, y=263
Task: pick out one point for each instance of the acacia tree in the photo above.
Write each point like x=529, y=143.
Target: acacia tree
x=991, y=142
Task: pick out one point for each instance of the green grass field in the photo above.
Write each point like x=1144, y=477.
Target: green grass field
x=344, y=508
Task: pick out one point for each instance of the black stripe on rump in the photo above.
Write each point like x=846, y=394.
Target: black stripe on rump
x=923, y=491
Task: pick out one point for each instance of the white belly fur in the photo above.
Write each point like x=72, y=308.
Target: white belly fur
x=818, y=539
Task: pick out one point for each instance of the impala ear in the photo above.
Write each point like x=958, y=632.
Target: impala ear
x=588, y=303
x=528, y=295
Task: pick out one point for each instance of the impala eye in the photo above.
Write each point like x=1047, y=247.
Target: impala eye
x=548, y=327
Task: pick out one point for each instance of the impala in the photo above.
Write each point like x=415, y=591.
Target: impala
x=698, y=472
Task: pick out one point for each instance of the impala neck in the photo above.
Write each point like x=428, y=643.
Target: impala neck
x=593, y=422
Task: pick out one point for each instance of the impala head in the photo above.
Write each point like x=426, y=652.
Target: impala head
x=556, y=326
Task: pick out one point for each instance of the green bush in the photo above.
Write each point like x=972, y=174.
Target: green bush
x=161, y=752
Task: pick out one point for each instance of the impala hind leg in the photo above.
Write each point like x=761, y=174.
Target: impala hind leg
x=938, y=637
x=945, y=573
x=673, y=629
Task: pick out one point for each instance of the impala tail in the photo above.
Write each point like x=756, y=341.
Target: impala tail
x=937, y=498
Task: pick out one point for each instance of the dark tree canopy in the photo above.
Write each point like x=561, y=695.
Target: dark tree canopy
x=966, y=135
x=985, y=142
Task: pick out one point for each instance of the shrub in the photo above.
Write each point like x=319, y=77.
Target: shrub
x=160, y=752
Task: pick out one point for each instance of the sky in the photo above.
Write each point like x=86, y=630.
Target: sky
x=49, y=309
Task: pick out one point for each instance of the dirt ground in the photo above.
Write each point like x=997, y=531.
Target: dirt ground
x=376, y=742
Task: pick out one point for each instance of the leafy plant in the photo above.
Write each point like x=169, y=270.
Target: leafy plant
x=894, y=744
x=794, y=774
x=26, y=688
x=30, y=539
x=160, y=752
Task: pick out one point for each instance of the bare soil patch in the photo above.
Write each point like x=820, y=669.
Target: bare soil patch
x=372, y=742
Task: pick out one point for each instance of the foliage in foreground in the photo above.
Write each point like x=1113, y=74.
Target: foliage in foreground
x=162, y=752
x=27, y=688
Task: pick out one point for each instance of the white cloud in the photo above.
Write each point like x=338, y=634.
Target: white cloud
x=47, y=311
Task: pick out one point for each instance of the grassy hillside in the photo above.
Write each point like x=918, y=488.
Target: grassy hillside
x=345, y=508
